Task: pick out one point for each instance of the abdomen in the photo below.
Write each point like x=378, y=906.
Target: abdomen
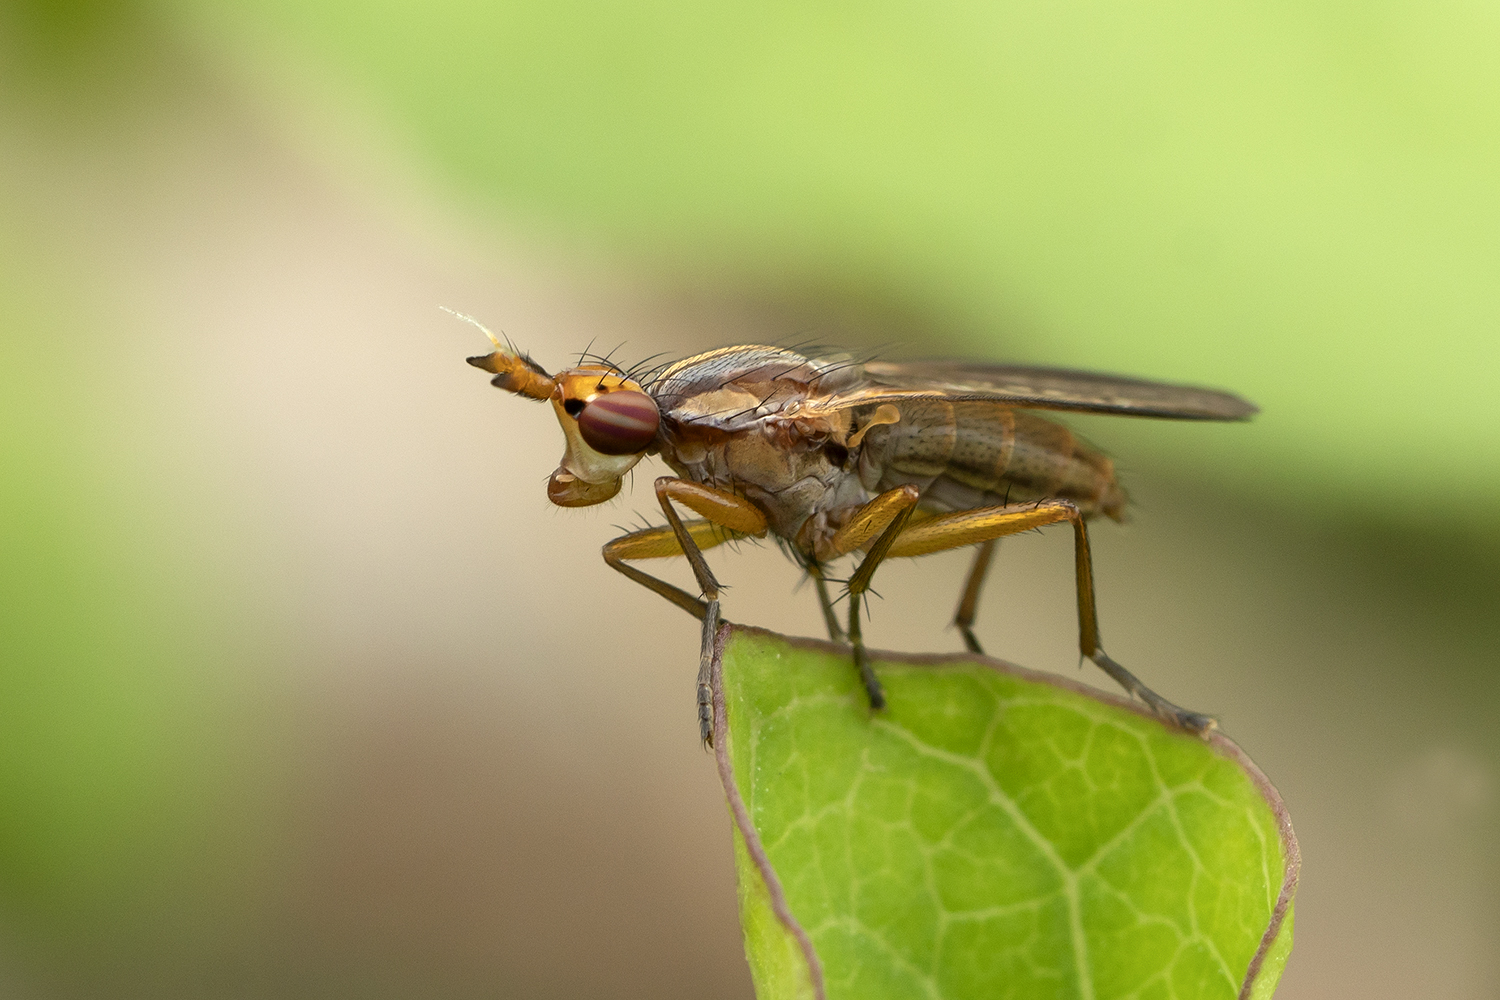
x=963, y=455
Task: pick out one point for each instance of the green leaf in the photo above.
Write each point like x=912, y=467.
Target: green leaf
x=992, y=833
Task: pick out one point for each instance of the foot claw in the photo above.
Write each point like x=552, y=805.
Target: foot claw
x=1196, y=723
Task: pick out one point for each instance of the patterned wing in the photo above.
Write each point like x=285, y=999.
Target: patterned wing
x=1030, y=388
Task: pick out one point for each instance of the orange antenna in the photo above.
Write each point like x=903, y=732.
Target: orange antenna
x=513, y=371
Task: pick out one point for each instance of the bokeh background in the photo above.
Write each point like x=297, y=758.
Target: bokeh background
x=306, y=691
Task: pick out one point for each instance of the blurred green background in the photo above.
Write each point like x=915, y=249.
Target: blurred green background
x=305, y=690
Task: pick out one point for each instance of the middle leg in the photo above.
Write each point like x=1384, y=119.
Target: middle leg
x=886, y=515
x=815, y=570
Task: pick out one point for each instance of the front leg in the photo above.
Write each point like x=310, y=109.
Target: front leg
x=732, y=512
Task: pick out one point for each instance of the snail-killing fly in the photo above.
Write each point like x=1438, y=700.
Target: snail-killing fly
x=833, y=457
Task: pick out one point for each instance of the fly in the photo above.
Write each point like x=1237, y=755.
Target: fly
x=834, y=457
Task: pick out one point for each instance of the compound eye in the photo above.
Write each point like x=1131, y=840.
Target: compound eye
x=619, y=423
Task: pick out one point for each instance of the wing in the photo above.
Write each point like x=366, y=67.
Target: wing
x=1030, y=388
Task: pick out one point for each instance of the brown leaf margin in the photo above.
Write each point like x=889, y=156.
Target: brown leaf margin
x=1220, y=743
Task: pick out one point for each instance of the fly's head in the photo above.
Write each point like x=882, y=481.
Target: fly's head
x=608, y=420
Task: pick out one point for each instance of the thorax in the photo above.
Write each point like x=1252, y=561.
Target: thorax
x=731, y=420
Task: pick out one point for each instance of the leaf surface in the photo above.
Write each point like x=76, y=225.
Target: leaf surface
x=992, y=833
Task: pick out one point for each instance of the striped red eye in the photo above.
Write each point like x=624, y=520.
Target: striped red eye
x=619, y=423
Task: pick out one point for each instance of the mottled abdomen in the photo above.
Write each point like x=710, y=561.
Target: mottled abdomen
x=963, y=455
